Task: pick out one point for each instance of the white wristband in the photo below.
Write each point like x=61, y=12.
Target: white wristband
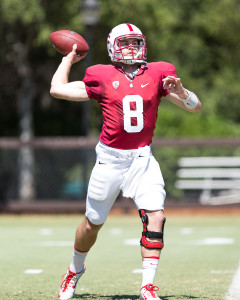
x=191, y=102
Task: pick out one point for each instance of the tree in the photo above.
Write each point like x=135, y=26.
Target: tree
x=198, y=37
x=27, y=25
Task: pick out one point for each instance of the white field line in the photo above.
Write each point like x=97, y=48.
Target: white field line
x=214, y=241
x=186, y=230
x=33, y=271
x=46, y=231
x=116, y=231
x=137, y=271
x=234, y=289
x=132, y=242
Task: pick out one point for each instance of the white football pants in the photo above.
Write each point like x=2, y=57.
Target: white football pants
x=135, y=172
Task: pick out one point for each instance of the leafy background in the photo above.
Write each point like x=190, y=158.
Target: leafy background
x=199, y=37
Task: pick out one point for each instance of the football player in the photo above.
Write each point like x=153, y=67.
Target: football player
x=129, y=92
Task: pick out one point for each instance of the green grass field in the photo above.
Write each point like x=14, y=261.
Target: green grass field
x=199, y=260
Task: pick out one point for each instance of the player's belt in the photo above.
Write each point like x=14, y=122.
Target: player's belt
x=118, y=153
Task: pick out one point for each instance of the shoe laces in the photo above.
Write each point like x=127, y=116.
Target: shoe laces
x=151, y=289
x=67, y=279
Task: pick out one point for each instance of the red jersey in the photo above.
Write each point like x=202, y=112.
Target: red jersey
x=129, y=108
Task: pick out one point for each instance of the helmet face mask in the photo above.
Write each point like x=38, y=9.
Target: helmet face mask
x=136, y=53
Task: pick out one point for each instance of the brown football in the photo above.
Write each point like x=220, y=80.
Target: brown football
x=63, y=41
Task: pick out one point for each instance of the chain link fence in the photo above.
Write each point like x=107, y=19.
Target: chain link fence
x=58, y=169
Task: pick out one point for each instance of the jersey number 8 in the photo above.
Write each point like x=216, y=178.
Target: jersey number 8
x=129, y=113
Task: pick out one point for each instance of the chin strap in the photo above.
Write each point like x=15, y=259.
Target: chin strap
x=150, y=234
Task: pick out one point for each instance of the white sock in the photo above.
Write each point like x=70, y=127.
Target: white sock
x=150, y=265
x=77, y=261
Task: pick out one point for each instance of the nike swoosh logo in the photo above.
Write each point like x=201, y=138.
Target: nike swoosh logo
x=143, y=85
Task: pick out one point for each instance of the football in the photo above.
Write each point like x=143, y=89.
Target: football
x=63, y=41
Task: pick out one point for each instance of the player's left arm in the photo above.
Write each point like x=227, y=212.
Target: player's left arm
x=181, y=96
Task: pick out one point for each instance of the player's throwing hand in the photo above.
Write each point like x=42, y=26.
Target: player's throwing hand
x=73, y=56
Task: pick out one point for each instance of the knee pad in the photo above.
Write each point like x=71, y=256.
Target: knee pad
x=94, y=217
x=150, y=234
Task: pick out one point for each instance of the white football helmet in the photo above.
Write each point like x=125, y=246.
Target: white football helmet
x=122, y=32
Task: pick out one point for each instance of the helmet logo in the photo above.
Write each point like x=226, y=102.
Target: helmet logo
x=130, y=27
